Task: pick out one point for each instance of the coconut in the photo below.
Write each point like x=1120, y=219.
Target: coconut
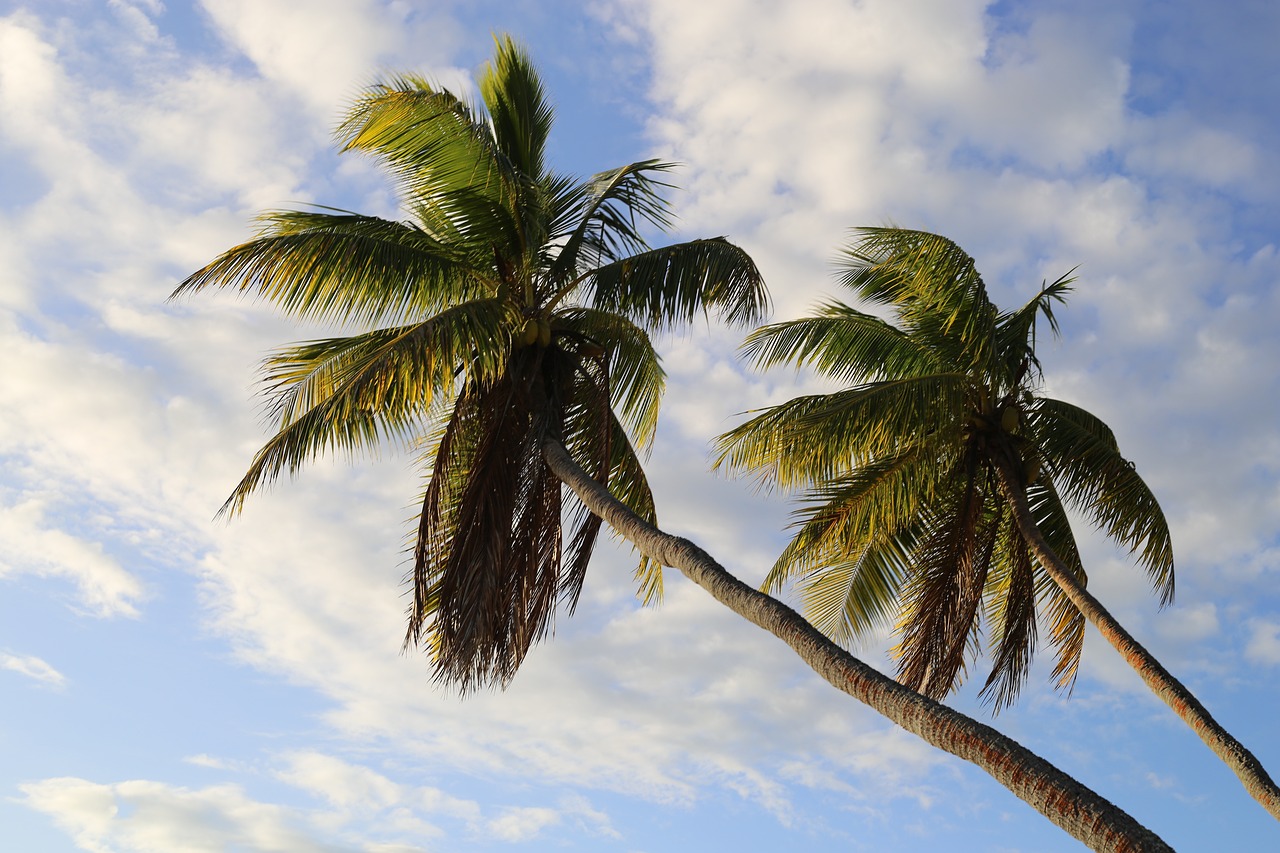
x=1009, y=419
x=544, y=332
x=1031, y=470
x=529, y=333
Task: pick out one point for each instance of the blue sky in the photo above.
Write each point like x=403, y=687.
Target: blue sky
x=170, y=683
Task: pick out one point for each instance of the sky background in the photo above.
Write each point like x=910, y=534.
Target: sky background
x=169, y=682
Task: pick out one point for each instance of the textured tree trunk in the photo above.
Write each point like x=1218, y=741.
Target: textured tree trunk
x=1251, y=772
x=1084, y=814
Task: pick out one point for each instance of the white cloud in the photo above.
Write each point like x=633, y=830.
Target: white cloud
x=325, y=50
x=136, y=19
x=341, y=784
x=592, y=820
x=30, y=545
x=1264, y=642
x=362, y=809
x=521, y=824
x=1190, y=624
x=32, y=667
x=149, y=817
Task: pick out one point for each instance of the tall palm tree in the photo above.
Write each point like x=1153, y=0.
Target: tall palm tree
x=936, y=484
x=502, y=329
x=512, y=305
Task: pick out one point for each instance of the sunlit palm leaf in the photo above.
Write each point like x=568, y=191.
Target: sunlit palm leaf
x=354, y=393
x=430, y=139
x=930, y=281
x=842, y=343
x=337, y=266
x=816, y=437
x=674, y=285
x=1066, y=623
x=1081, y=452
x=518, y=108
x=602, y=220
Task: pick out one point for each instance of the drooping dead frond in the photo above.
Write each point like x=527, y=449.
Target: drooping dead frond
x=939, y=623
x=1011, y=594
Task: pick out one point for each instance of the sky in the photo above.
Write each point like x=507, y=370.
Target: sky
x=172, y=682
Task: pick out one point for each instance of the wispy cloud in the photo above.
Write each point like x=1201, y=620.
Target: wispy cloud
x=32, y=667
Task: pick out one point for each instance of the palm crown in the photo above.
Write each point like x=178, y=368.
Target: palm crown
x=904, y=515
x=510, y=307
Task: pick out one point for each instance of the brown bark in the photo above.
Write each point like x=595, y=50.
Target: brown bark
x=1080, y=811
x=1171, y=691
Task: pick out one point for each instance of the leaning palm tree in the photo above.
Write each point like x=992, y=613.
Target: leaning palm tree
x=503, y=331
x=511, y=306
x=936, y=485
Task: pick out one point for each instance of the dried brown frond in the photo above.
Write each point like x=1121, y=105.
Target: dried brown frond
x=939, y=624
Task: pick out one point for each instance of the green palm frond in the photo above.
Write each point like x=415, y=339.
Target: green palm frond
x=842, y=517
x=1016, y=331
x=814, y=438
x=518, y=107
x=388, y=369
x=930, y=282
x=663, y=288
x=842, y=343
x=851, y=598
x=602, y=220
x=329, y=265
x=430, y=139
x=353, y=393
x=637, y=379
x=1066, y=622
x=1081, y=452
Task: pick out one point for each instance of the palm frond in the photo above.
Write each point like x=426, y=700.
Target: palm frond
x=1016, y=331
x=663, y=288
x=851, y=598
x=351, y=393
x=813, y=438
x=636, y=377
x=431, y=139
x=842, y=343
x=1011, y=612
x=1066, y=622
x=518, y=107
x=931, y=283
x=331, y=265
x=940, y=616
x=838, y=519
x=1081, y=452
x=602, y=220
x=487, y=565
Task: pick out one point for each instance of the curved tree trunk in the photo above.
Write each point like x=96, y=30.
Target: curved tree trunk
x=1084, y=814
x=1251, y=772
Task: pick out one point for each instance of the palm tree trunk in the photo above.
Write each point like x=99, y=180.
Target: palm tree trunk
x=1251, y=772
x=1084, y=814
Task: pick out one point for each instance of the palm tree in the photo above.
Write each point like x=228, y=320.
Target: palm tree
x=502, y=330
x=511, y=306
x=936, y=484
